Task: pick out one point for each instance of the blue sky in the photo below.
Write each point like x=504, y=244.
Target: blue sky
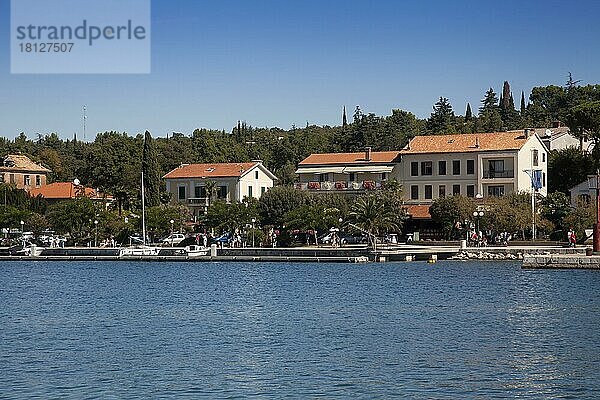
x=278, y=63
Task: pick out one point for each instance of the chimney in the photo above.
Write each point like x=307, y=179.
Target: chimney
x=368, y=154
x=556, y=124
x=476, y=142
x=526, y=131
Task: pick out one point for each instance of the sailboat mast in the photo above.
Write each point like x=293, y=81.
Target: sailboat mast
x=143, y=212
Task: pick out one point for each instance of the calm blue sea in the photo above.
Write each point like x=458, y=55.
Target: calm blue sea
x=195, y=330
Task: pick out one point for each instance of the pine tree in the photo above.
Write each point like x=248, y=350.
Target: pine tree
x=151, y=172
x=489, y=113
x=442, y=117
x=468, y=113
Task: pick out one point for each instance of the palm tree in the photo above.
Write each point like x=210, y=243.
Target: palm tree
x=211, y=187
x=370, y=214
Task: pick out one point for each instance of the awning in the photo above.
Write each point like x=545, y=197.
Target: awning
x=320, y=170
x=375, y=169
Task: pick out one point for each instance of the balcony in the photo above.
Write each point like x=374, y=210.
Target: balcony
x=339, y=186
x=507, y=173
x=198, y=201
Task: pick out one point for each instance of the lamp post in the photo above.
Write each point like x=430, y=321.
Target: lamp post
x=95, y=233
x=172, y=222
x=253, y=222
x=478, y=215
x=23, y=232
x=594, y=183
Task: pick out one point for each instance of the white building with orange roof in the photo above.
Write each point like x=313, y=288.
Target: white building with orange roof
x=233, y=181
x=473, y=165
x=348, y=173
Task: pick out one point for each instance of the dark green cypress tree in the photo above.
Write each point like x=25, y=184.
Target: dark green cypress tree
x=344, y=118
x=522, y=103
x=468, y=113
x=151, y=172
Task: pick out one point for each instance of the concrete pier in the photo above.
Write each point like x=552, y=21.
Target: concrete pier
x=561, y=261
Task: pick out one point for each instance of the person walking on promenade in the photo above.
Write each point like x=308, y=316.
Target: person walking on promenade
x=572, y=238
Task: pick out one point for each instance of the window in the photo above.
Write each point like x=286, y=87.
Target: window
x=535, y=157
x=255, y=174
x=426, y=168
x=414, y=192
x=470, y=190
x=249, y=191
x=456, y=190
x=181, y=192
x=441, y=167
x=323, y=177
x=222, y=192
x=38, y=180
x=383, y=176
x=263, y=190
x=496, y=191
x=12, y=179
x=26, y=180
x=200, y=192
x=352, y=177
x=428, y=192
x=442, y=191
x=470, y=167
x=543, y=179
x=456, y=167
x=414, y=168
x=543, y=157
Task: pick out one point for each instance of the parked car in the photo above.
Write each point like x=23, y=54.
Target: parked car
x=224, y=238
x=173, y=239
x=347, y=238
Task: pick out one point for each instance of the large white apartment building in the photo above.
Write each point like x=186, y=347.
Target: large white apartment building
x=474, y=165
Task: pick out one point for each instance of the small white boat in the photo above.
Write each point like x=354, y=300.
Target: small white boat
x=196, y=251
x=31, y=251
x=138, y=251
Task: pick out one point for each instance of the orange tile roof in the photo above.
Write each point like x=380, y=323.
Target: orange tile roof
x=464, y=143
x=222, y=170
x=65, y=190
x=418, y=211
x=19, y=162
x=350, y=158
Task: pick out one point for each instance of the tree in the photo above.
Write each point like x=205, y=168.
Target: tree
x=370, y=214
x=73, y=217
x=580, y=218
x=277, y=202
x=441, y=119
x=468, y=113
x=151, y=172
x=567, y=168
x=490, y=119
x=584, y=120
x=158, y=219
x=447, y=211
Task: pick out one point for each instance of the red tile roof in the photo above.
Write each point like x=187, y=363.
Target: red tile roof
x=350, y=158
x=222, y=170
x=464, y=143
x=418, y=211
x=65, y=190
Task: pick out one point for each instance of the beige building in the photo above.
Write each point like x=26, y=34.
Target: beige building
x=348, y=173
x=19, y=170
x=474, y=165
x=233, y=181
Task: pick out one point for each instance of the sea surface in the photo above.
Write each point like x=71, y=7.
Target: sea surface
x=450, y=330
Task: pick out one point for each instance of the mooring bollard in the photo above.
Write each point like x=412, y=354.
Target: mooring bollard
x=213, y=250
x=463, y=244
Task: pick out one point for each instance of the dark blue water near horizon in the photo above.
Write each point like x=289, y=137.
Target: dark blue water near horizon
x=214, y=330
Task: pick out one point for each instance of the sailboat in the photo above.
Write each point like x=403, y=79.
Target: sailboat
x=143, y=249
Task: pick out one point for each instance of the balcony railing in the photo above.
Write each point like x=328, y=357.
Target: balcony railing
x=507, y=173
x=339, y=186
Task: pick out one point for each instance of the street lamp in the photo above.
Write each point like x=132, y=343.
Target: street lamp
x=95, y=233
x=477, y=215
x=172, y=222
x=253, y=222
x=594, y=184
